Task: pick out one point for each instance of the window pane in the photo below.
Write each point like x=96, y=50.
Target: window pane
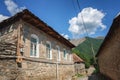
x=31, y=50
x=48, y=50
x=33, y=47
x=33, y=40
x=65, y=54
x=58, y=53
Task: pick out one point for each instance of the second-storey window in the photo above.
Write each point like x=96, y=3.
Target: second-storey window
x=34, y=50
x=65, y=54
x=70, y=57
x=58, y=53
x=48, y=50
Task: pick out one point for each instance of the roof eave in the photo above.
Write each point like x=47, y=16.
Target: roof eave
x=26, y=15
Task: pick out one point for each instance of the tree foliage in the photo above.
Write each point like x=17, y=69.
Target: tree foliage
x=84, y=50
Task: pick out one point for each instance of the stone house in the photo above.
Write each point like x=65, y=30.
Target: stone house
x=79, y=65
x=109, y=52
x=32, y=50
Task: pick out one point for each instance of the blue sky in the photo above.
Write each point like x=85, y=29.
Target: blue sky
x=64, y=15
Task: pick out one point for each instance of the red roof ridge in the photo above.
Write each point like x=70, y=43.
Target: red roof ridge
x=77, y=59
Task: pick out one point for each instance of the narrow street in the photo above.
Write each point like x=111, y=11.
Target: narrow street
x=83, y=78
x=93, y=77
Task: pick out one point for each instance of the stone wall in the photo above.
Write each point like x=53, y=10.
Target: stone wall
x=47, y=71
x=8, y=69
x=109, y=56
x=9, y=33
x=44, y=68
x=33, y=68
x=28, y=30
x=80, y=68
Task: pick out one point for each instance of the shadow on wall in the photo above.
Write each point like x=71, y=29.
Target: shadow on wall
x=98, y=76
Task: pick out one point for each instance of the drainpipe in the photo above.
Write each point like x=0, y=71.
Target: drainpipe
x=57, y=71
x=57, y=68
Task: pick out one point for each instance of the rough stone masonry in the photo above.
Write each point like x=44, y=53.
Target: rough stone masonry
x=16, y=62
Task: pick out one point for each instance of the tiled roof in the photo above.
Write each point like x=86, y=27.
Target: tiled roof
x=30, y=18
x=77, y=59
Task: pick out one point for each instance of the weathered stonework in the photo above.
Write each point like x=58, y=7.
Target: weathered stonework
x=80, y=68
x=48, y=71
x=33, y=68
x=9, y=70
x=109, y=53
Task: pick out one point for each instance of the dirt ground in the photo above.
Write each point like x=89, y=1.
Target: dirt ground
x=93, y=77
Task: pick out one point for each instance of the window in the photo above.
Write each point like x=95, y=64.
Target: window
x=34, y=47
x=70, y=58
x=58, y=53
x=48, y=50
x=65, y=54
x=69, y=55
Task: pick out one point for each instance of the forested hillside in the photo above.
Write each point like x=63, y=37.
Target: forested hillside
x=84, y=49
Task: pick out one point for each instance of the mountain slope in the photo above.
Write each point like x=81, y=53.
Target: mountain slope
x=76, y=42
x=84, y=49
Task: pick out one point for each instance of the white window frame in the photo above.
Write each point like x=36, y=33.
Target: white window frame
x=70, y=56
x=37, y=48
x=49, y=43
x=65, y=54
x=58, y=53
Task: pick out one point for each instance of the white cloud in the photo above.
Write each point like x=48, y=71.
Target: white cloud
x=92, y=19
x=65, y=36
x=12, y=7
x=2, y=17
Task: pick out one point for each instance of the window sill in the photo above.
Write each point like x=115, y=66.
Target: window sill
x=34, y=56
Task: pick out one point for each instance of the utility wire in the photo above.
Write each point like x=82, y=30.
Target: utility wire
x=74, y=6
x=83, y=22
x=85, y=27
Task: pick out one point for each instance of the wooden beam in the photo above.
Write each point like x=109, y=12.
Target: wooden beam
x=19, y=59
